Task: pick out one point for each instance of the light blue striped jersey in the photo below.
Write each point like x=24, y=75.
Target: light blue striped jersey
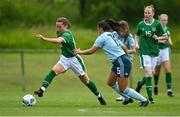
x=110, y=44
x=128, y=42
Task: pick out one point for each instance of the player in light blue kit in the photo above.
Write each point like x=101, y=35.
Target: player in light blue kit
x=121, y=68
x=121, y=31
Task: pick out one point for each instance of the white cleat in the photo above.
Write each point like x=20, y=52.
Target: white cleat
x=120, y=98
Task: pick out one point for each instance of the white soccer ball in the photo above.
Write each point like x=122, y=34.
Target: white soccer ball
x=29, y=100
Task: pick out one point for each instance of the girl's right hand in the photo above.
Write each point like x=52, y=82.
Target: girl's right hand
x=40, y=36
x=77, y=51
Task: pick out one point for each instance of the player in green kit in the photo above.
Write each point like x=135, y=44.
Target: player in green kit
x=163, y=59
x=68, y=59
x=149, y=32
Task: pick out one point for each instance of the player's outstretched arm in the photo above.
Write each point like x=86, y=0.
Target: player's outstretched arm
x=91, y=50
x=53, y=40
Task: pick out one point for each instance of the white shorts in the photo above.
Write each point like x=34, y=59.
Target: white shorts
x=163, y=56
x=75, y=63
x=148, y=61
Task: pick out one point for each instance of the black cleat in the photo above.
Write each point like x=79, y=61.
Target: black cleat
x=170, y=94
x=102, y=100
x=144, y=103
x=151, y=100
x=125, y=102
x=39, y=92
x=139, y=86
x=155, y=90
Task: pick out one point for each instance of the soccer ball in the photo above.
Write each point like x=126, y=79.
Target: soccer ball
x=29, y=100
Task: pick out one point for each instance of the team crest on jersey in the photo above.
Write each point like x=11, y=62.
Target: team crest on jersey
x=143, y=29
x=153, y=29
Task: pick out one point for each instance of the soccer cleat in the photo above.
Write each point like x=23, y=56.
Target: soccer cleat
x=151, y=100
x=156, y=90
x=125, y=102
x=139, y=86
x=120, y=98
x=101, y=100
x=39, y=92
x=170, y=94
x=144, y=103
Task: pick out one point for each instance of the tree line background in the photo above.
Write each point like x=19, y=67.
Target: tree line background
x=82, y=13
x=31, y=12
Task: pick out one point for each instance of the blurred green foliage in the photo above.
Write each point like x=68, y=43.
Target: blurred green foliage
x=20, y=20
x=132, y=10
x=82, y=12
x=35, y=12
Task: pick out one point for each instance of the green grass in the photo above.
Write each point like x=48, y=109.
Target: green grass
x=84, y=104
x=68, y=96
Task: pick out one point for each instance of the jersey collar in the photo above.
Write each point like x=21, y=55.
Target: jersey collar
x=149, y=23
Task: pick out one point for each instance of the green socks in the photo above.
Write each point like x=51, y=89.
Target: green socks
x=156, y=79
x=169, y=80
x=143, y=81
x=149, y=86
x=48, y=79
x=93, y=88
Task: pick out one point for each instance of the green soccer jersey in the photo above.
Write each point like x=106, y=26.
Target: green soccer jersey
x=148, y=45
x=165, y=44
x=68, y=45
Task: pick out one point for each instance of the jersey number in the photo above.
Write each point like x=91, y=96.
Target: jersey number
x=149, y=34
x=115, y=40
x=118, y=70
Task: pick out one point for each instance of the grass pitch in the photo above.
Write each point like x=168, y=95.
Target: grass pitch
x=67, y=96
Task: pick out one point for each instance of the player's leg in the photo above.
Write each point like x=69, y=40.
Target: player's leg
x=157, y=71
x=156, y=78
x=121, y=98
x=148, y=76
x=123, y=83
x=112, y=82
x=59, y=67
x=122, y=68
x=91, y=85
x=148, y=64
x=167, y=69
x=115, y=71
x=140, y=83
x=78, y=67
x=149, y=73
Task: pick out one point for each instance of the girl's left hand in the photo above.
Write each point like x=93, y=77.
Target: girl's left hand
x=155, y=37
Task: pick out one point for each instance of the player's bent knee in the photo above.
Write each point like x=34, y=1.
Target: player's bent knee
x=122, y=89
x=84, y=79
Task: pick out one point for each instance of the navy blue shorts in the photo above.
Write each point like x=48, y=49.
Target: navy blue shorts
x=122, y=66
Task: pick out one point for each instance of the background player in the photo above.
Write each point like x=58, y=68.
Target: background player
x=163, y=59
x=149, y=32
